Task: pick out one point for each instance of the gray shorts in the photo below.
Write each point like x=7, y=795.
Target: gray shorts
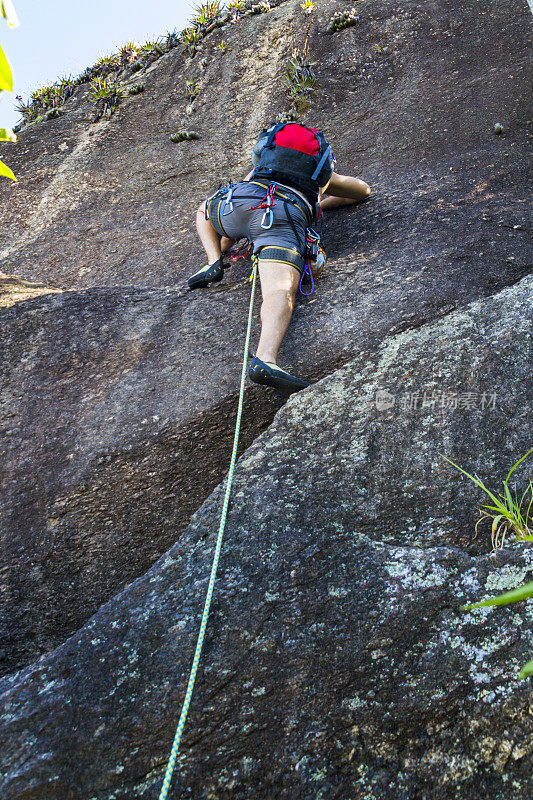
x=284, y=241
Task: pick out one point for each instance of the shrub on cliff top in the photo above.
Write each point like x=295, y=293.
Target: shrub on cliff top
x=206, y=13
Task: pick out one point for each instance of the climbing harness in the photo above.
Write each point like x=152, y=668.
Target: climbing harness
x=314, y=254
x=188, y=694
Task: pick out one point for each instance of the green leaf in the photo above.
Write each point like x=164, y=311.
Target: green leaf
x=7, y=135
x=502, y=509
x=517, y=463
x=475, y=479
x=6, y=172
x=514, y=596
x=526, y=670
x=9, y=13
x=508, y=497
x=496, y=522
x=6, y=77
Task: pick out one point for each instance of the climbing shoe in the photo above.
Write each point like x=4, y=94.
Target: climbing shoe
x=271, y=375
x=208, y=274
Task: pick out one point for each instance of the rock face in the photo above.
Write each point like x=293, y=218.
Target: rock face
x=118, y=401
x=336, y=663
x=13, y=290
x=110, y=444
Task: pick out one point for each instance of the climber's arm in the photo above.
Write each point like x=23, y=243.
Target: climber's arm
x=343, y=190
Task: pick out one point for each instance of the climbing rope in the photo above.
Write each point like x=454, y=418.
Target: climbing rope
x=186, y=702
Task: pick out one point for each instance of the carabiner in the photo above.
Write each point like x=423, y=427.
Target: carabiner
x=227, y=203
x=265, y=217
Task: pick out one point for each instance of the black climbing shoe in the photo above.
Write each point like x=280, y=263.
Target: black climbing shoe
x=208, y=274
x=270, y=375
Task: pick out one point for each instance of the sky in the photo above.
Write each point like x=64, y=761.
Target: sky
x=63, y=37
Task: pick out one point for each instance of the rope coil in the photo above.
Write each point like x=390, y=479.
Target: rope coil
x=192, y=677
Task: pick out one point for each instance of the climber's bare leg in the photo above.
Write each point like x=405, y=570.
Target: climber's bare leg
x=327, y=202
x=343, y=190
x=212, y=242
x=208, y=236
x=279, y=284
x=226, y=243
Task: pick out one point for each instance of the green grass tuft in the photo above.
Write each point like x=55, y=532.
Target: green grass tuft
x=508, y=513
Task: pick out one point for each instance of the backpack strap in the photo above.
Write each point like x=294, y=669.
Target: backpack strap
x=272, y=133
x=321, y=163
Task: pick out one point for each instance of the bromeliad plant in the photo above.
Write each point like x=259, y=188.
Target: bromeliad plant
x=191, y=88
x=107, y=64
x=508, y=513
x=46, y=101
x=6, y=81
x=300, y=80
x=190, y=39
x=207, y=13
x=151, y=50
x=128, y=53
x=106, y=94
x=206, y=17
x=172, y=39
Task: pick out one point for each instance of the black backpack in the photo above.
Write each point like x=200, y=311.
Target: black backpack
x=293, y=153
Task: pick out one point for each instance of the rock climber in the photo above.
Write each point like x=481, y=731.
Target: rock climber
x=274, y=207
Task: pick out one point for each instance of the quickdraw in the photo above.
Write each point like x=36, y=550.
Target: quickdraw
x=228, y=204
x=267, y=203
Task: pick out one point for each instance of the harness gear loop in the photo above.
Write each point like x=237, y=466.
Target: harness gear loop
x=187, y=700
